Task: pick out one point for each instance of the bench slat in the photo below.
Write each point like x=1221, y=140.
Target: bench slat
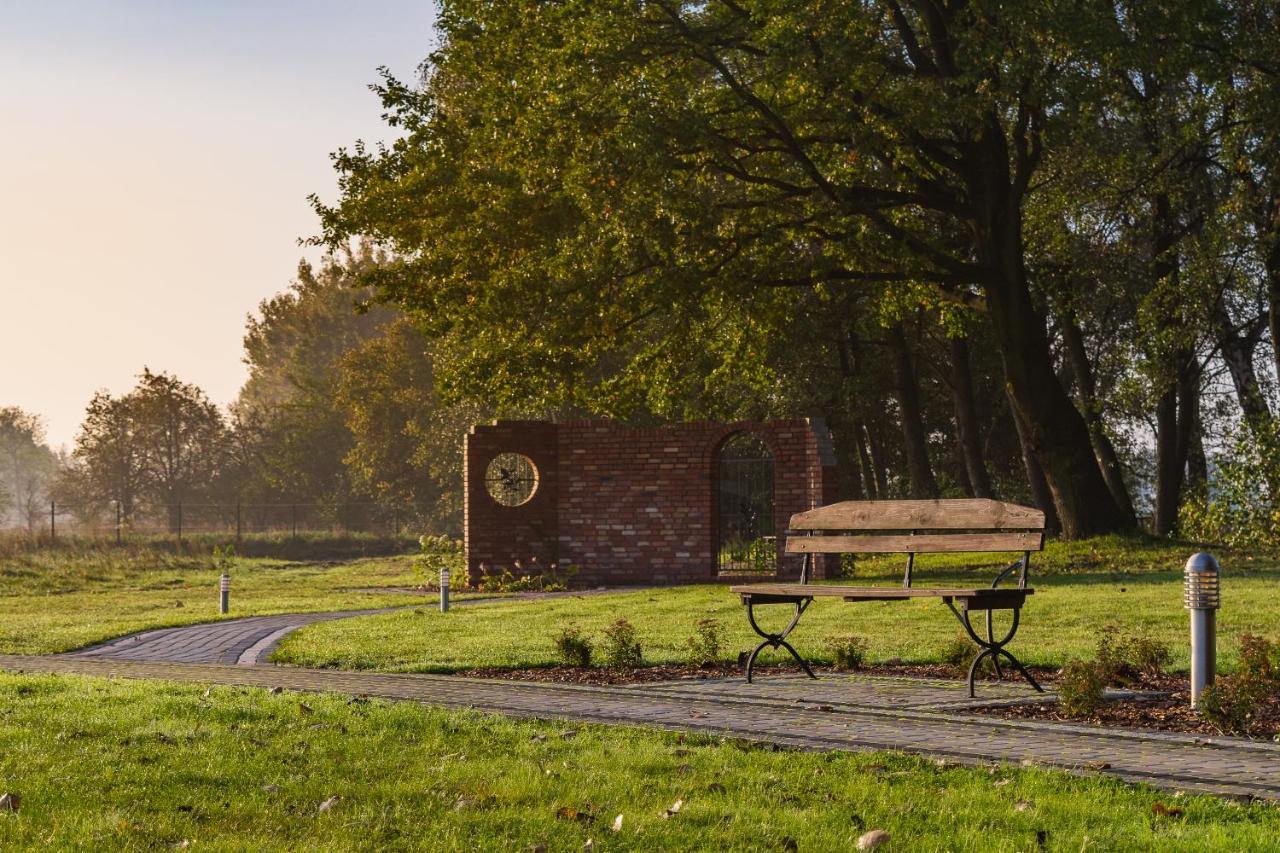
x=949, y=514
x=928, y=543
x=871, y=593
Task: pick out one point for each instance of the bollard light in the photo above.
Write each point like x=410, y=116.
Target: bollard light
x=224, y=593
x=444, y=590
x=1202, y=595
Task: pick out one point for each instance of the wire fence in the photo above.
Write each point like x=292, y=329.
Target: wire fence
x=233, y=519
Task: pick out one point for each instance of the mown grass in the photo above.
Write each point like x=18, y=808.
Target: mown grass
x=154, y=765
x=58, y=599
x=1081, y=588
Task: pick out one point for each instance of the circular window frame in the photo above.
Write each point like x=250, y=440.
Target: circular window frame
x=494, y=477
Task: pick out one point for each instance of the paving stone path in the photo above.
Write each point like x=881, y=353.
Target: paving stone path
x=833, y=713
x=250, y=640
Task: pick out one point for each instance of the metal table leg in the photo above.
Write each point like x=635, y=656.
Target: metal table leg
x=991, y=647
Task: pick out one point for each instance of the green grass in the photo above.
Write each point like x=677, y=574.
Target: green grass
x=153, y=765
x=59, y=599
x=1080, y=588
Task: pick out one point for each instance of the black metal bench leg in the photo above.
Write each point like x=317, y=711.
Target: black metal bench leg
x=991, y=647
x=778, y=640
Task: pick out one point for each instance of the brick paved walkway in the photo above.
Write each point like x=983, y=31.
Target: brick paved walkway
x=842, y=713
x=241, y=641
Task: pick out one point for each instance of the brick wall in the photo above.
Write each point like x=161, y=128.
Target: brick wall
x=627, y=505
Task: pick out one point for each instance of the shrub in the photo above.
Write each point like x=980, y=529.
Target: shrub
x=1128, y=657
x=957, y=651
x=850, y=651
x=573, y=647
x=1241, y=510
x=537, y=579
x=1260, y=662
x=436, y=553
x=706, y=645
x=1229, y=703
x=1081, y=686
x=621, y=649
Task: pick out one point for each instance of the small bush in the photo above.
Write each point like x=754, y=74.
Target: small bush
x=706, y=645
x=574, y=647
x=849, y=651
x=957, y=652
x=535, y=579
x=1081, y=686
x=1128, y=657
x=621, y=648
x=1260, y=662
x=1231, y=702
x=436, y=553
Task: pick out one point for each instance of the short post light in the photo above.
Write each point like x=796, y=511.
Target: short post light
x=1202, y=595
x=444, y=590
x=224, y=593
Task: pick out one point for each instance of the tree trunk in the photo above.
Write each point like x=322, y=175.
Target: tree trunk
x=915, y=445
x=1055, y=430
x=879, y=465
x=1237, y=352
x=1040, y=491
x=1103, y=449
x=974, y=466
x=864, y=460
x=1176, y=413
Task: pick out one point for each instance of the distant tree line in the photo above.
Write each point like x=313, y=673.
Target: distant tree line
x=339, y=408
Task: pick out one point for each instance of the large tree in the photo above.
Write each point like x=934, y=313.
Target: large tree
x=27, y=468
x=584, y=191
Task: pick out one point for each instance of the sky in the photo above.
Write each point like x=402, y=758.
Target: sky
x=155, y=162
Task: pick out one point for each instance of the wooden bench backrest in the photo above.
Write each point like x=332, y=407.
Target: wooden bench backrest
x=917, y=527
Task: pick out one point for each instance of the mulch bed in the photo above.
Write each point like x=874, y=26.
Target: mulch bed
x=1170, y=712
x=690, y=672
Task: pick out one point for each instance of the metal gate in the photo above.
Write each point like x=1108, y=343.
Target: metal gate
x=745, y=543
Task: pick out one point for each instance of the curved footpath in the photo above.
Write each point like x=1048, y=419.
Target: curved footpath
x=844, y=712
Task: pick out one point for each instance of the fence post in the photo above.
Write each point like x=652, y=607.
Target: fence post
x=237, y=522
x=53, y=522
x=396, y=515
x=118, y=522
x=179, y=522
x=293, y=514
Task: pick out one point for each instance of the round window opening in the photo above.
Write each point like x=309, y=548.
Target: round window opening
x=511, y=479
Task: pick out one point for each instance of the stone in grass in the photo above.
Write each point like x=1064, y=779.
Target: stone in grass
x=873, y=839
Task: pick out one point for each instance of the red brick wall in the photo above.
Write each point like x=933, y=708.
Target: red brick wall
x=626, y=505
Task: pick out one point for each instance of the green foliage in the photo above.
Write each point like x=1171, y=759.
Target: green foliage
x=849, y=651
x=1231, y=702
x=1081, y=686
x=1242, y=509
x=440, y=552
x=707, y=644
x=224, y=556
x=574, y=647
x=956, y=652
x=554, y=578
x=621, y=648
x=1126, y=657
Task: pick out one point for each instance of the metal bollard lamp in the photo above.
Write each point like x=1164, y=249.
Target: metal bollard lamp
x=224, y=593
x=1202, y=595
x=444, y=590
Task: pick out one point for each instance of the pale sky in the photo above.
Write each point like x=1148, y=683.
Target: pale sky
x=155, y=159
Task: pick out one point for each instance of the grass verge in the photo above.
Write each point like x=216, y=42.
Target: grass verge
x=60, y=599
x=1062, y=619
x=152, y=765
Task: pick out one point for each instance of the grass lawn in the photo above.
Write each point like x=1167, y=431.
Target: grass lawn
x=151, y=765
x=1080, y=588
x=59, y=599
